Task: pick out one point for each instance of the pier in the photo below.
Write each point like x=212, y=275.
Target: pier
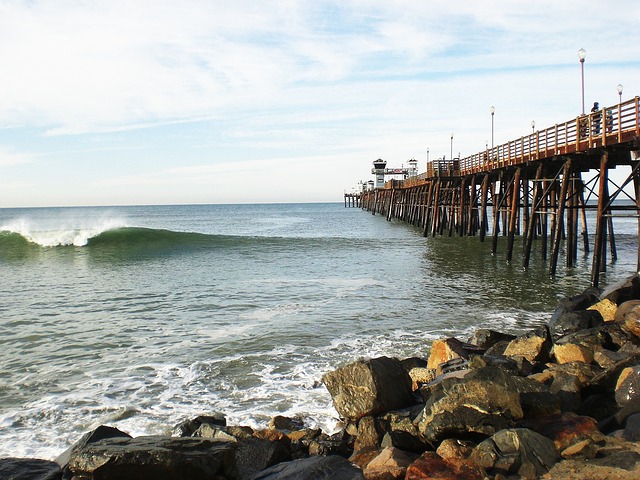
x=534, y=187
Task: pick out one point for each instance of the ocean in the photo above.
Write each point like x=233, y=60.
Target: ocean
x=142, y=317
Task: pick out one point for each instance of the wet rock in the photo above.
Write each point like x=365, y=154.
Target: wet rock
x=628, y=317
x=369, y=387
x=485, y=338
x=153, y=457
x=188, y=427
x=516, y=451
x=484, y=401
x=100, y=433
x=312, y=468
x=574, y=321
x=431, y=466
x=572, y=304
x=253, y=455
x=390, y=463
x=628, y=386
x=29, y=469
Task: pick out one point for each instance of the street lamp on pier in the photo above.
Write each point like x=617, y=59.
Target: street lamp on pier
x=492, y=110
x=582, y=53
x=619, y=87
x=451, y=145
x=533, y=126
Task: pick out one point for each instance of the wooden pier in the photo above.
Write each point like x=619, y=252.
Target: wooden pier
x=531, y=187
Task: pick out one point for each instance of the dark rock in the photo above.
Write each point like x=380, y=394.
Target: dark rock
x=483, y=402
x=536, y=398
x=286, y=424
x=628, y=386
x=567, y=381
x=517, y=451
x=413, y=362
x=628, y=289
x=369, y=387
x=312, y=468
x=485, y=338
x=498, y=348
x=100, y=433
x=574, y=321
x=29, y=469
x=153, y=457
x=431, y=466
x=340, y=443
x=400, y=431
x=188, y=427
x=508, y=364
x=632, y=428
x=599, y=405
x=256, y=454
x=572, y=304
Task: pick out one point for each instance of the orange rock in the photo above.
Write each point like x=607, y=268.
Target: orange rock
x=532, y=348
x=607, y=309
x=445, y=350
x=628, y=316
x=565, y=430
x=572, y=352
x=430, y=466
x=391, y=463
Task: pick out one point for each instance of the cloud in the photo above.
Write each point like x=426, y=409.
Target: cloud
x=9, y=158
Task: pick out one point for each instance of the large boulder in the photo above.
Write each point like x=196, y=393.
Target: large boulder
x=533, y=346
x=390, y=464
x=189, y=427
x=369, y=387
x=312, y=468
x=153, y=457
x=574, y=303
x=480, y=404
x=29, y=469
x=516, y=451
x=400, y=430
x=574, y=321
x=565, y=430
x=448, y=349
x=627, y=289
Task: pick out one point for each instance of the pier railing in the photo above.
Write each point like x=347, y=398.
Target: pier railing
x=616, y=124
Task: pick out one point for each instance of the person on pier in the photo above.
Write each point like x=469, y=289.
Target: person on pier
x=595, y=110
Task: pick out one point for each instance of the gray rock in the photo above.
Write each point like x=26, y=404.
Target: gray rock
x=628, y=289
x=369, y=387
x=188, y=427
x=153, y=457
x=632, y=428
x=517, y=451
x=572, y=304
x=574, y=321
x=29, y=469
x=255, y=454
x=486, y=338
x=483, y=402
x=313, y=468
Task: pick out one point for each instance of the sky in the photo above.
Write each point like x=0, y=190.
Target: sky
x=118, y=102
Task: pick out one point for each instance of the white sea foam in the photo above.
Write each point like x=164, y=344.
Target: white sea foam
x=65, y=232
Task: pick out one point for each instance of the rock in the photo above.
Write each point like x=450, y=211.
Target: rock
x=420, y=376
x=564, y=430
x=188, y=427
x=455, y=448
x=448, y=349
x=340, y=443
x=431, y=466
x=207, y=430
x=516, y=451
x=582, y=449
x=567, y=382
x=400, y=430
x=253, y=455
x=628, y=386
x=368, y=435
x=572, y=304
x=312, y=468
x=485, y=338
x=153, y=457
x=536, y=398
x=29, y=469
x=628, y=317
x=286, y=424
x=572, y=352
x=607, y=309
x=484, y=401
x=628, y=289
x=534, y=347
x=100, y=433
x=361, y=458
x=369, y=387
x=390, y=463
x=575, y=321
x=632, y=428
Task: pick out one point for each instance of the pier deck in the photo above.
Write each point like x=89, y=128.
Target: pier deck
x=532, y=186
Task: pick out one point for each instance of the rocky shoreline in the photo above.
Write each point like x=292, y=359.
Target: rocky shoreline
x=561, y=401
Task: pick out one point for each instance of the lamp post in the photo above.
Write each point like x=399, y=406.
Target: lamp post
x=582, y=53
x=619, y=87
x=492, y=110
x=451, y=145
x=533, y=127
